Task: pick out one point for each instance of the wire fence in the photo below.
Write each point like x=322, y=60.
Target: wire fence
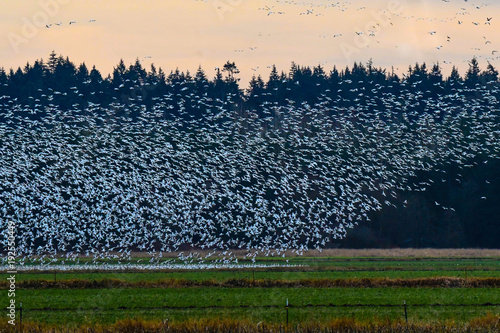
x=265, y=306
x=402, y=308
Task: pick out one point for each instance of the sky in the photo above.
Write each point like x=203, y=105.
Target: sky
x=255, y=34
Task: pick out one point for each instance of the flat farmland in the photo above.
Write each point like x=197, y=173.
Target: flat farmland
x=59, y=306
x=436, y=290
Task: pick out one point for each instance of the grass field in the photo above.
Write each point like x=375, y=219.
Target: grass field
x=71, y=307
x=315, y=304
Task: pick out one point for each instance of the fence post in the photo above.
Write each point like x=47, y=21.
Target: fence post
x=21, y=315
x=287, y=312
x=55, y=276
x=406, y=312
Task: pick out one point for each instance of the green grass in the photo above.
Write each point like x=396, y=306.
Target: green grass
x=397, y=263
x=427, y=305
x=365, y=262
x=313, y=268
x=108, y=305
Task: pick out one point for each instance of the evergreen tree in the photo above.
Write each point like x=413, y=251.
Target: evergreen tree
x=273, y=76
x=95, y=76
x=136, y=73
x=65, y=73
x=293, y=71
x=419, y=74
x=334, y=78
x=436, y=80
x=231, y=70
x=3, y=78
x=152, y=76
x=37, y=77
x=82, y=73
x=201, y=81
x=119, y=73
x=274, y=79
x=272, y=85
x=319, y=78
x=218, y=77
x=375, y=75
x=96, y=85
x=256, y=91
x=358, y=73
x=162, y=83
x=217, y=86
x=52, y=63
x=472, y=75
x=435, y=75
x=345, y=74
x=454, y=79
x=188, y=78
x=231, y=90
x=490, y=75
x=393, y=77
x=16, y=80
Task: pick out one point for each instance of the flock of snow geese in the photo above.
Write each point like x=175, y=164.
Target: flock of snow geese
x=97, y=184
x=453, y=24
x=59, y=24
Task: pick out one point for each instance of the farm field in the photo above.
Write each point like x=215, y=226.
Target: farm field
x=260, y=294
x=306, y=304
x=305, y=268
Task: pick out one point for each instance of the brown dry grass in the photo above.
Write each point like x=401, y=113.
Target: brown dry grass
x=434, y=282
x=408, y=253
x=489, y=323
x=331, y=253
x=353, y=253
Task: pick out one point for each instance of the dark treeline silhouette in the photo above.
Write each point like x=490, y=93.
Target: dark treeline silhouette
x=60, y=82
x=424, y=224
x=362, y=84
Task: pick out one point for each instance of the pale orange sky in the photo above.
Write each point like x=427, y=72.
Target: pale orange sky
x=188, y=33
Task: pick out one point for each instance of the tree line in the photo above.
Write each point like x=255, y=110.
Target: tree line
x=60, y=82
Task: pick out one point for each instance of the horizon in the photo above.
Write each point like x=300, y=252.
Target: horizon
x=264, y=77
x=255, y=35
